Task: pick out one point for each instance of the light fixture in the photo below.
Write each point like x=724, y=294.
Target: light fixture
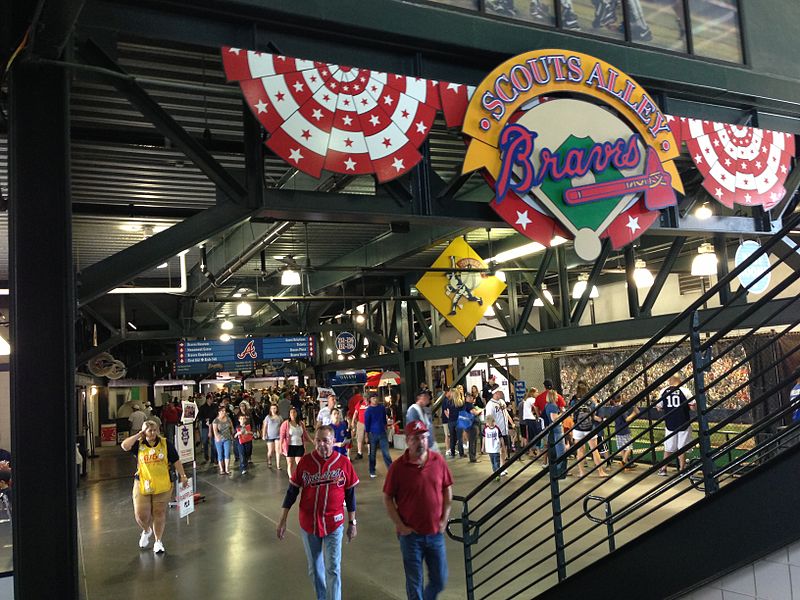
x=162, y=266
x=131, y=227
x=339, y=357
x=705, y=263
x=548, y=296
x=132, y=326
x=225, y=337
x=5, y=347
x=703, y=212
x=501, y=276
x=518, y=252
x=642, y=275
x=328, y=351
x=489, y=312
x=226, y=325
x=366, y=342
x=360, y=319
x=580, y=287
x=557, y=241
x=243, y=309
x=290, y=277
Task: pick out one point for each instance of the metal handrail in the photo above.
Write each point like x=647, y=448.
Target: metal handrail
x=486, y=528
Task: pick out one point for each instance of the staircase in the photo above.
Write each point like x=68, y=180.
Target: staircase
x=656, y=531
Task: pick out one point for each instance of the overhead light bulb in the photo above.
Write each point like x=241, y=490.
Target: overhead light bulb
x=705, y=263
x=703, y=212
x=225, y=337
x=290, y=277
x=162, y=266
x=237, y=295
x=642, y=275
x=518, y=252
x=366, y=342
x=580, y=287
x=489, y=312
x=339, y=357
x=548, y=296
x=501, y=276
x=328, y=351
x=243, y=309
x=226, y=325
x=132, y=326
x=360, y=319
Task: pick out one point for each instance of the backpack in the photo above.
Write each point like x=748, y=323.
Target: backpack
x=583, y=417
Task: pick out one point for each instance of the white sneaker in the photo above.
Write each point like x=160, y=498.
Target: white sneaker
x=504, y=473
x=158, y=547
x=144, y=539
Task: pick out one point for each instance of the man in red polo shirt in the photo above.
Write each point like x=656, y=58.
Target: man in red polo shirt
x=327, y=481
x=417, y=494
x=355, y=401
x=541, y=400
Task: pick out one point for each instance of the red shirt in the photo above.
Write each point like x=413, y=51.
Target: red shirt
x=170, y=414
x=418, y=493
x=323, y=483
x=353, y=405
x=362, y=410
x=245, y=434
x=541, y=400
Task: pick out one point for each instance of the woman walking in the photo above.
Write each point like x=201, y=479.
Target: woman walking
x=152, y=486
x=292, y=436
x=271, y=434
x=223, y=438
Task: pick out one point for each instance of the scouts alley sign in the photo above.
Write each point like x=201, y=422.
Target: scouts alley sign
x=573, y=147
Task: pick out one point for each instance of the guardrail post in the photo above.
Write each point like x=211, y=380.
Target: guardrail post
x=556, y=470
x=468, y=540
x=700, y=363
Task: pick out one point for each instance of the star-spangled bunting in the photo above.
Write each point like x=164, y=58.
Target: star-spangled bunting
x=323, y=116
x=739, y=165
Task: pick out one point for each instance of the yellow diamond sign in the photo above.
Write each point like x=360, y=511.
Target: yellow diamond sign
x=460, y=295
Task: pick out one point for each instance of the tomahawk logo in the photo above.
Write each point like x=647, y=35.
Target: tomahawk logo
x=249, y=350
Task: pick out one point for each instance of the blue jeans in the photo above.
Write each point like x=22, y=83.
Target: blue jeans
x=455, y=438
x=205, y=443
x=415, y=548
x=324, y=556
x=223, y=449
x=245, y=451
x=374, y=440
x=495, y=458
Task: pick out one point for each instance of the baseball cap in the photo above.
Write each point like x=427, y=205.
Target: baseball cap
x=548, y=384
x=415, y=427
x=136, y=407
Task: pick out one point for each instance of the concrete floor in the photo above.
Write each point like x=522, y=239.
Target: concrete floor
x=230, y=542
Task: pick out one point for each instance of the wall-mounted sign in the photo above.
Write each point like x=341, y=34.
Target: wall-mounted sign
x=460, y=295
x=197, y=356
x=519, y=390
x=749, y=278
x=346, y=343
x=594, y=166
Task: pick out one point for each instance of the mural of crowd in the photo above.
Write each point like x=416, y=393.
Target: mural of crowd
x=594, y=366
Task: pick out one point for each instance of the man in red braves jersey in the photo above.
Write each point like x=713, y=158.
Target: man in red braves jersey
x=327, y=481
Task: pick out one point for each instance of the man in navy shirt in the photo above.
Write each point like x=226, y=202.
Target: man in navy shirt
x=375, y=426
x=675, y=403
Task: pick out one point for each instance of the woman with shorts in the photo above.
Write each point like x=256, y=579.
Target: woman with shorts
x=152, y=485
x=292, y=436
x=271, y=434
x=223, y=439
x=585, y=417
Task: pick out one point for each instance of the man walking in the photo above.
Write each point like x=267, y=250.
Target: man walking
x=419, y=411
x=674, y=402
x=417, y=495
x=325, y=481
x=206, y=414
x=324, y=415
x=375, y=426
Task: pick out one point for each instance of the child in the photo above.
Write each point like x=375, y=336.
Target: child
x=622, y=430
x=341, y=433
x=491, y=443
x=244, y=446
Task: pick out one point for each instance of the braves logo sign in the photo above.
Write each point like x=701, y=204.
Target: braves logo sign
x=249, y=350
x=574, y=148
x=331, y=476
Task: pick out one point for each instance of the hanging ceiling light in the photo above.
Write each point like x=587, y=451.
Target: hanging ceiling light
x=705, y=263
x=703, y=212
x=162, y=266
x=225, y=337
x=328, y=351
x=290, y=277
x=226, y=325
x=518, y=252
x=548, y=296
x=243, y=309
x=580, y=287
x=489, y=312
x=360, y=319
x=642, y=275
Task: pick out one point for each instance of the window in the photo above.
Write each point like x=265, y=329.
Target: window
x=598, y=17
x=715, y=29
x=659, y=23
x=535, y=11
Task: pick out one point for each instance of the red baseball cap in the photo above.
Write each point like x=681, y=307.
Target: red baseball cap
x=415, y=427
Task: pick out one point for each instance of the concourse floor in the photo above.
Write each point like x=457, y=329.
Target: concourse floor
x=228, y=547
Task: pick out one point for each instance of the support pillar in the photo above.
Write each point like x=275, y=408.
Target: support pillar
x=42, y=335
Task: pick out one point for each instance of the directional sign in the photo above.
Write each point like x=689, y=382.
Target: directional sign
x=245, y=350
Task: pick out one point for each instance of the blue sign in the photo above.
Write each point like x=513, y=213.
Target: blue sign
x=754, y=271
x=519, y=390
x=346, y=343
x=237, y=355
x=348, y=378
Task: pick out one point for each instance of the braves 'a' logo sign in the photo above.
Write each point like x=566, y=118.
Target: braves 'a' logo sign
x=249, y=350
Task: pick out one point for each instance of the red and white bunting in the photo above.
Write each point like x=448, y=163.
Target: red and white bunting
x=740, y=165
x=455, y=98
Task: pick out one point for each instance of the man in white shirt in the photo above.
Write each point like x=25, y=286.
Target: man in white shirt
x=324, y=416
x=137, y=418
x=496, y=407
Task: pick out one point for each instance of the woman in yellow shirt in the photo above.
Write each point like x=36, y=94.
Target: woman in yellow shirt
x=152, y=486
